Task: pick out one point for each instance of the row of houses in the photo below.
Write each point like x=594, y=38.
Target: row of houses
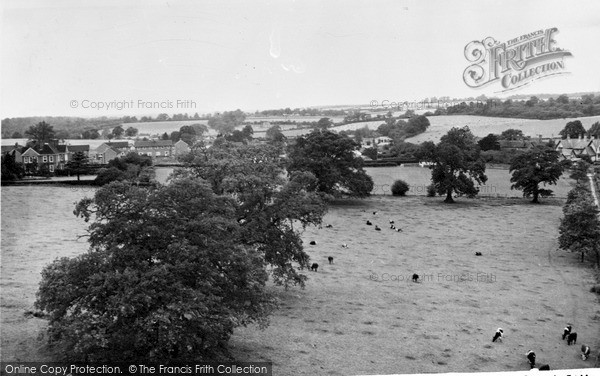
x=569, y=148
x=55, y=156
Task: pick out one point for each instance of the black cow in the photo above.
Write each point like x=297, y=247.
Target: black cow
x=531, y=358
x=314, y=267
x=572, y=338
x=330, y=259
x=415, y=278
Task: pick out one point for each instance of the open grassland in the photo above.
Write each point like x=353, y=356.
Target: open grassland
x=360, y=315
x=418, y=178
x=363, y=315
x=481, y=126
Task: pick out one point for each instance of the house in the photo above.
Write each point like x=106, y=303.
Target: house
x=181, y=147
x=103, y=155
x=122, y=146
x=571, y=148
x=154, y=148
x=45, y=158
x=15, y=150
x=594, y=149
x=376, y=142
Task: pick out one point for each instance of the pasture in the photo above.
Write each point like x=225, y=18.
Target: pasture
x=363, y=314
x=481, y=126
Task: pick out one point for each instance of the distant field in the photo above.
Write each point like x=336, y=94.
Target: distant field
x=418, y=178
x=481, y=126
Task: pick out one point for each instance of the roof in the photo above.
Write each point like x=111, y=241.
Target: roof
x=118, y=144
x=61, y=148
x=182, y=142
x=7, y=148
x=153, y=143
x=573, y=143
x=48, y=149
x=76, y=148
x=513, y=144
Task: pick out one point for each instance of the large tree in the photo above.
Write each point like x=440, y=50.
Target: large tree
x=457, y=163
x=117, y=132
x=332, y=159
x=594, y=130
x=79, y=164
x=270, y=208
x=489, y=142
x=512, y=134
x=580, y=227
x=168, y=276
x=573, y=129
x=131, y=132
x=40, y=133
x=540, y=165
x=226, y=122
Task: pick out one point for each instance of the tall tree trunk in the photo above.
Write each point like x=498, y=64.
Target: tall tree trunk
x=449, y=198
x=536, y=193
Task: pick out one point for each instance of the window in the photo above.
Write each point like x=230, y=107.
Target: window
x=51, y=168
x=166, y=153
x=25, y=159
x=51, y=158
x=44, y=159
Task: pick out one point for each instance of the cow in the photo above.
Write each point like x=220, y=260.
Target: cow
x=415, y=277
x=477, y=253
x=377, y=228
x=330, y=258
x=585, y=352
x=312, y=242
x=566, y=331
x=531, y=358
x=369, y=223
x=572, y=338
x=498, y=335
x=314, y=267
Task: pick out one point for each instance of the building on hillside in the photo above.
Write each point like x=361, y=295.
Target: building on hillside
x=181, y=147
x=154, y=148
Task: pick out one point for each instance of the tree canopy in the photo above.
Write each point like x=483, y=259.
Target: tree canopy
x=540, y=165
x=271, y=209
x=489, y=142
x=226, y=122
x=79, y=164
x=457, y=163
x=332, y=160
x=573, y=129
x=580, y=227
x=40, y=133
x=168, y=276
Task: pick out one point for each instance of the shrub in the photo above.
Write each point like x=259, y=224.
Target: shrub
x=399, y=188
x=108, y=175
x=430, y=190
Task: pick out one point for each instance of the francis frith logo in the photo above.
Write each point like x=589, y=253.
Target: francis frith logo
x=514, y=63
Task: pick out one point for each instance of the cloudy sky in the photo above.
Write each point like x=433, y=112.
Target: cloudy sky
x=254, y=55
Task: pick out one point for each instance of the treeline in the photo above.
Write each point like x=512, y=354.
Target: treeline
x=533, y=108
x=301, y=112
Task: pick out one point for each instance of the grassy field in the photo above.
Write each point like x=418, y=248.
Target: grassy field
x=362, y=315
x=481, y=126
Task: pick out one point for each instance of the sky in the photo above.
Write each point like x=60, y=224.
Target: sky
x=88, y=58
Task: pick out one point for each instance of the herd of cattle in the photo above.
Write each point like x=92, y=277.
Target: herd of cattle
x=568, y=334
